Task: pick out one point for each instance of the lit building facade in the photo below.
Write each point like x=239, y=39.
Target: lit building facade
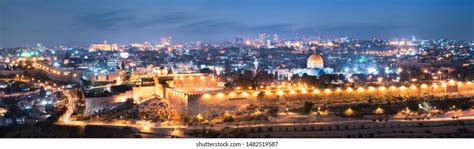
x=103, y=47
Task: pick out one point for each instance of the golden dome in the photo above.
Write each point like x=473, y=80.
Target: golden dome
x=315, y=59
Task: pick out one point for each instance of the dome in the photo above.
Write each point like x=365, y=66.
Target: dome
x=315, y=61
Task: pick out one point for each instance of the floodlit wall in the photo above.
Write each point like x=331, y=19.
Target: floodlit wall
x=194, y=81
x=216, y=102
x=144, y=92
x=137, y=93
x=98, y=103
x=178, y=100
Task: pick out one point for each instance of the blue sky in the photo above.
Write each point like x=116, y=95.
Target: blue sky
x=80, y=22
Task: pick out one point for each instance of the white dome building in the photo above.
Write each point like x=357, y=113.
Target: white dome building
x=314, y=67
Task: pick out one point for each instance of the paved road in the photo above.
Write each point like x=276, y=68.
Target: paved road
x=177, y=130
x=70, y=107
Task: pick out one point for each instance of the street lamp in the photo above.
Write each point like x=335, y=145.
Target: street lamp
x=379, y=110
x=349, y=112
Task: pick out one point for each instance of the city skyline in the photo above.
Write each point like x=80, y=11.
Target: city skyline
x=248, y=69
x=81, y=23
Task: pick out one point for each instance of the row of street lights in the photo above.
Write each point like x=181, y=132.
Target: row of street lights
x=370, y=89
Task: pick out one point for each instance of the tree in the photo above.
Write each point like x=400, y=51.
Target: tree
x=412, y=104
x=295, y=77
x=273, y=110
x=206, y=70
x=228, y=85
x=308, y=106
x=264, y=76
x=129, y=103
x=122, y=65
x=228, y=117
x=245, y=80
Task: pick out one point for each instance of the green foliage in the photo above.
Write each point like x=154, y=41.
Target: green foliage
x=228, y=118
x=252, y=107
x=273, y=110
x=308, y=106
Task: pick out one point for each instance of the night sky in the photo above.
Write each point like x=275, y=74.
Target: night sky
x=81, y=22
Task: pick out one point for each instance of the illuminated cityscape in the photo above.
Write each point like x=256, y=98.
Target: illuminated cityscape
x=216, y=82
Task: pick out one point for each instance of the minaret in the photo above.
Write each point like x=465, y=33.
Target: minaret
x=255, y=64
